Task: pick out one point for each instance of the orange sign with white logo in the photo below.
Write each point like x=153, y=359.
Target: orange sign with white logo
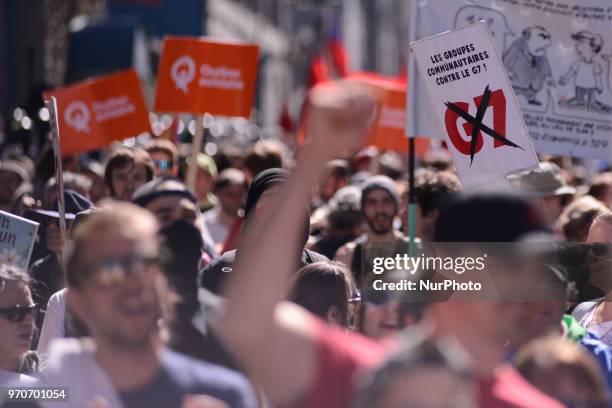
x=96, y=112
x=388, y=127
x=198, y=75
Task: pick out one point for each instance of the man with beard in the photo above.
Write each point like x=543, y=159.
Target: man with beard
x=379, y=206
x=117, y=290
x=527, y=65
x=298, y=360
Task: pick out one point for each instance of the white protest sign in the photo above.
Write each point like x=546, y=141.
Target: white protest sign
x=17, y=236
x=558, y=54
x=474, y=104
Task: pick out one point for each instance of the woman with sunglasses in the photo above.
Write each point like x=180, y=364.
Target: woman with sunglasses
x=17, y=362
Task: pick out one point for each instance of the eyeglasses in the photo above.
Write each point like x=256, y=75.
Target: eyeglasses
x=18, y=313
x=115, y=270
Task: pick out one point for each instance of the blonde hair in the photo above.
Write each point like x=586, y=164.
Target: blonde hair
x=114, y=215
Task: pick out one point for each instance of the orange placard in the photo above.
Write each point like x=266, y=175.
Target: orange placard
x=199, y=75
x=96, y=112
x=388, y=128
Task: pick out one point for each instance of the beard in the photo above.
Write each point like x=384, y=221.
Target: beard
x=380, y=223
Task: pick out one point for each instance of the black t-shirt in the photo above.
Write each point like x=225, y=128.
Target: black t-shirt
x=214, y=274
x=180, y=375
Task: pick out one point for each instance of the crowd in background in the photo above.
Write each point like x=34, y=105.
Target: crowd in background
x=186, y=297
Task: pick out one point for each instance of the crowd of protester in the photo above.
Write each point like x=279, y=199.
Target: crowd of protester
x=253, y=287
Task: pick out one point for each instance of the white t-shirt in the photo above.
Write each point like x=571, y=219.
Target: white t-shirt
x=586, y=73
x=53, y=326
x=218, y=230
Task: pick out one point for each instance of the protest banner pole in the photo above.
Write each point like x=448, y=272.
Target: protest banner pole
x=411, y=131
x=196, y=147
x=55, y=140
x=411, y=199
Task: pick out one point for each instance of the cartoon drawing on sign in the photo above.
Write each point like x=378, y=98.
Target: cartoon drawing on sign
x=77, y=115
x=527, y=65
x=608, y=59
x=183, y=72
x=586, y=74
x=497, y=22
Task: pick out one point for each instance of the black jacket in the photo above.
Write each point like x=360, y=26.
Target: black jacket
x=214, y=274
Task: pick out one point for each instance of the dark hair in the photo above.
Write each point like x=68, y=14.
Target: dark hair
x=433, y=189
x=230, y=177
x=577, y=218
x=123, y=157
x=163, y=146
x=264, y=155
x=527, y=31
x=600, y=185
x=338, y=168
x=344, y=218
x=321, y=285
x=595, y=41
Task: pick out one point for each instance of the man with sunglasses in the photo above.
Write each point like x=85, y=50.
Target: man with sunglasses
x=17, y=310
x=596, y=315
x=164, y=155
x=117, y=290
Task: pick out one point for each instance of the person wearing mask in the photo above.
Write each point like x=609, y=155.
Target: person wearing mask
x=126, y=170
x=117, y=290
x=170, y=200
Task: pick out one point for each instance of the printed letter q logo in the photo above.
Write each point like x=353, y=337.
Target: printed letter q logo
x=183, y=72
x=77, y=115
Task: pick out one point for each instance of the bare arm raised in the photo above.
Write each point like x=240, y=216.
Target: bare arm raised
x=274, y=341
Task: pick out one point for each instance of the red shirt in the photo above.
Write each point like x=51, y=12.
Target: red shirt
x=343, y=356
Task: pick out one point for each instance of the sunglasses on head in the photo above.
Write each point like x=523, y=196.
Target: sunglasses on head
x=18, y=313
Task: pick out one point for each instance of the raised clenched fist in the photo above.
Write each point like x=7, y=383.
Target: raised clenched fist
x=340, y=116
